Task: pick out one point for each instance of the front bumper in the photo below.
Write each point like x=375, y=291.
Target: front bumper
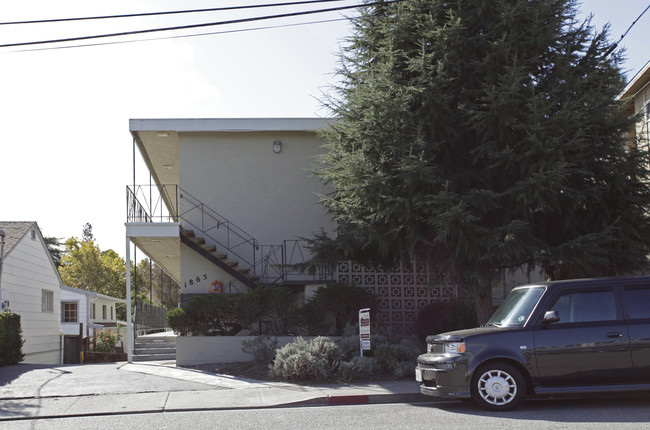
x=443, y=376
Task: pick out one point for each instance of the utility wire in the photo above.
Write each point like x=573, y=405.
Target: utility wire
x=181, y=36
x=611, y=48
x=209, y=24
x=133, y=15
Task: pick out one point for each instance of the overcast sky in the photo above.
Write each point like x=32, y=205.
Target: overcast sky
x=65, y=147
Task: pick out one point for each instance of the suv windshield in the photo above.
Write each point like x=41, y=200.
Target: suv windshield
x=517, y=307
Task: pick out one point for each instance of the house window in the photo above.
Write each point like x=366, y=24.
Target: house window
x=94, y=312
x=47, y=301
x=69, y=312
x=104, y=312
x=111, y=313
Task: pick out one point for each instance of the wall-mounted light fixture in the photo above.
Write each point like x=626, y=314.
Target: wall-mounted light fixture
x=163, y=134
x=277, y=146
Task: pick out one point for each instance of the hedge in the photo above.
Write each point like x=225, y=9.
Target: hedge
x=11, y=339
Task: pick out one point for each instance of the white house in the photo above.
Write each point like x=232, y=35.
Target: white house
x=30, y=286
x=82, y=314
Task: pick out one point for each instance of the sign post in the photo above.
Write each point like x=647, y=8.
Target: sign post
x=364, y=329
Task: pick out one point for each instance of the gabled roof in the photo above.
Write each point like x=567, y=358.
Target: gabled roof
x=14, y=232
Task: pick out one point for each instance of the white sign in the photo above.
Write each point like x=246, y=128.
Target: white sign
x=364, y=329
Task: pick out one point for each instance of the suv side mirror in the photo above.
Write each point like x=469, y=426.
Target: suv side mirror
x=550, y=317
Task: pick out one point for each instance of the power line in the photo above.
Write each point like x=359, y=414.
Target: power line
x=209, y=24
x=269, y=27
x=611, y=48
x=133, y=15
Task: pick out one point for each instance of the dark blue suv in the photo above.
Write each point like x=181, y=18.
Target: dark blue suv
x=565, y=337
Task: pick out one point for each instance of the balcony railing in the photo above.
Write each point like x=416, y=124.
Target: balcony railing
x=273, y=264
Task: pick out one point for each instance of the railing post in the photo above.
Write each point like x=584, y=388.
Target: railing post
x=177, y=208
x=284, y=260
x=254, y=256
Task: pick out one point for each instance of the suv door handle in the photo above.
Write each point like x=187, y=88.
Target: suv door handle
x=614, y=334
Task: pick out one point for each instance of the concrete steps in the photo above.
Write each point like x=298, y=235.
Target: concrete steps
x=152, y=348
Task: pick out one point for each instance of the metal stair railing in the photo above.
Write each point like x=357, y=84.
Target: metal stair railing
x=219, y=231
x=273, y=264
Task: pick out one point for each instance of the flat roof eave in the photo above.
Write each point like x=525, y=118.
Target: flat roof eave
x=228, y=124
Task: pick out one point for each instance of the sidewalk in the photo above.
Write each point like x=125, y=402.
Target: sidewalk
x=30, y=391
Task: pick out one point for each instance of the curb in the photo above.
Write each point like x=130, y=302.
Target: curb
x=327, y=400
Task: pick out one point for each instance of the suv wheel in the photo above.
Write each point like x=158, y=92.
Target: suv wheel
x=498, y=387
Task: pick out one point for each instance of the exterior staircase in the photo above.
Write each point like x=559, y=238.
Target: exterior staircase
x=154, y=348
x=219, y=258
x=222, y=242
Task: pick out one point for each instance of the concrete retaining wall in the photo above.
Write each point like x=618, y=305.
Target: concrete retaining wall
x=192, y=350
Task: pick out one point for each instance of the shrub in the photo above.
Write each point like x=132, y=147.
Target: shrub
x=339, y=303
x=11, y=339
x=440, y=317
x=359, y=368
x=263, y=348
x=274, y=306
x=206, y=315
x=349, y=343
x=323, y=359
x=179, y=321
x=105, y=341
x=397, y=358
x=302, y=360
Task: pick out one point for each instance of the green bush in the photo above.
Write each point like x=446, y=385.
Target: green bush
x=393, y=357
x=359, y=368
x=105, y=341
x=440, y=317
x=272, y=308
x=301, y=360
x=11, y=339
x=269, y=309
x=179, y=321
x=349, y=343
x=263, y=348
x=335, y=306
x=322, y=359
x=206, y=315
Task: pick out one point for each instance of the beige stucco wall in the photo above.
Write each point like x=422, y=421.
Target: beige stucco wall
x=272, y=196
x=198, y=274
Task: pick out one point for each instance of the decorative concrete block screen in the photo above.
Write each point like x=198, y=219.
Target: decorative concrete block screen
x=402, y=292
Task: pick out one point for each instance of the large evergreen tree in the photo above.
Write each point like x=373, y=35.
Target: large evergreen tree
x=483, y=135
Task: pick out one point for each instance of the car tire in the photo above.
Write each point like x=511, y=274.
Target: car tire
x=498, y=387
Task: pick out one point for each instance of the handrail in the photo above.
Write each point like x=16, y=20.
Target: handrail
x=273, y=264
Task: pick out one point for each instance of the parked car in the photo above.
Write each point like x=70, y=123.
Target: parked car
x=557, y=338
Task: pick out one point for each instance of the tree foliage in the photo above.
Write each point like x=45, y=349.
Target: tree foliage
x=55, y=248
x=87, y=234
x=155, y=285
x=86, y=267
x=479, y=136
